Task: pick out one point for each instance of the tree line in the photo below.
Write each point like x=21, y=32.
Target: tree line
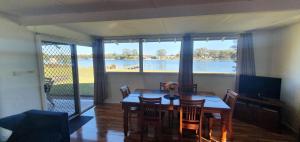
x=199, y=54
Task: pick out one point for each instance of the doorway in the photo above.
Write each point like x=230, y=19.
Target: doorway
x=68, y=77
x=86, y=76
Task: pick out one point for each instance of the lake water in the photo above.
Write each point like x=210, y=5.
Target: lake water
x=226, y=66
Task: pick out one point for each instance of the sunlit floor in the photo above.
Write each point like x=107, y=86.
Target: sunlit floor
x=107, y=126
x=66, y=104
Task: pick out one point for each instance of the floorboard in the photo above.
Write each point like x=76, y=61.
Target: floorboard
x=107, y=126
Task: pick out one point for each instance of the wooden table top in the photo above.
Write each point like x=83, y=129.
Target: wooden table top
x=212, y=102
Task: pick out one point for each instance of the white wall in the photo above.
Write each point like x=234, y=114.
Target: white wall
x=286, y=65
x=262, y=52
x=19, y=76
x=19, y=86
x=217, y=83
x=19, y=91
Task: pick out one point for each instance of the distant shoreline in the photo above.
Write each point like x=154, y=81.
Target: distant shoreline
x=169, y=60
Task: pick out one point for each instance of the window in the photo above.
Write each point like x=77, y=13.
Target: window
x=215, y=56
x=161, y=56
x=85, y=76
x=122, y=56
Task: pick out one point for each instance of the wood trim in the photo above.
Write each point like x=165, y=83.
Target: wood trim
x=75, y=78
x=38, y=44
x=141, y=59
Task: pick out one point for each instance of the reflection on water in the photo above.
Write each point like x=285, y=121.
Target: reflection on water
x=217, y=66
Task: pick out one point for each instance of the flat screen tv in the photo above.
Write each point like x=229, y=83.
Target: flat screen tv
x=258, y=86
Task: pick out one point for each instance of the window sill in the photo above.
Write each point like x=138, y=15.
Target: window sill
x=218, y=74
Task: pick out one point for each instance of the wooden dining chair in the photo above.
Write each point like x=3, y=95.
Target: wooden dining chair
x=125, y=91
x=188, y=88
x=162, y=86
x=230, y=99
x=190, y=117
x=150, y=114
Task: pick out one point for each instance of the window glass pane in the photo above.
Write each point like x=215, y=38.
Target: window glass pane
x=161, y=56
x=85, y=76
x=215, y=56
x=122, y=57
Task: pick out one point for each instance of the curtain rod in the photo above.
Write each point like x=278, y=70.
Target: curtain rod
x=179, y=36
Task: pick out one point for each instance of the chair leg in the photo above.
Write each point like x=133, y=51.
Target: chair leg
x=180, y=135
x=130, y=121
x=156, y=132
x=230, y=130
x=199, y=134
x=142, y=134
x=141, y=127
x=160, y=130
x=169, y=118
x=210, y=127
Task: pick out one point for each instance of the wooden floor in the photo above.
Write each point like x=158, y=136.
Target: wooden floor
x=107, y=126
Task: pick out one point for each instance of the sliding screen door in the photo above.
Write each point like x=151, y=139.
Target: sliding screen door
x=86, y=76
x=60, y=77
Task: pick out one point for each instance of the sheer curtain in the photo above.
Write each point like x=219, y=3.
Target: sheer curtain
x=99, y=72
x=185, y=77
x=245, y=57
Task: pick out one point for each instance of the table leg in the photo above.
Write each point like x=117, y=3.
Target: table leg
x=230, y=128
x=125, y=119
x=225, y=125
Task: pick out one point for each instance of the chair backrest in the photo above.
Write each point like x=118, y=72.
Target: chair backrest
x=188, y=88
x=230, y=99
x=125, y=91
x=48, y=84
x=162, y=86
x=191, y=110
x=150, y=108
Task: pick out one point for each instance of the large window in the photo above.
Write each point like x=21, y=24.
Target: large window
x=122, y=56
x=161, y=56
x=215, y=56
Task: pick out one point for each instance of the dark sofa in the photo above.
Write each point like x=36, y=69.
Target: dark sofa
x=37, y=126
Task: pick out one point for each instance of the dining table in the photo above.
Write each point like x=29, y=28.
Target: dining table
x=213, y=104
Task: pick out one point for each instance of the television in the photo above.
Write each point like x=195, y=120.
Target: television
x=259, y=86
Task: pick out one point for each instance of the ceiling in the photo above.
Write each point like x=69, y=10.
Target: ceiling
x=151, y=17
x=48, y=7
x=192, y=24
x=48, y=12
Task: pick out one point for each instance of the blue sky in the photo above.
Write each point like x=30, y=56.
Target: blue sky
x=215, y=44
x=84, y=50
x=150, y=48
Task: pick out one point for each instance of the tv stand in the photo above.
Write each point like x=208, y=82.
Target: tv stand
x=263, y=112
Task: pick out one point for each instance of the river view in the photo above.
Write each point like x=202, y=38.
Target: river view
x=212, y=66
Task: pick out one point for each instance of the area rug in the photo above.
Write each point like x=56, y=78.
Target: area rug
x=78, y=122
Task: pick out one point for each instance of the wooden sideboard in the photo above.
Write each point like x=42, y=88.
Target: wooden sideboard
x=262, y=112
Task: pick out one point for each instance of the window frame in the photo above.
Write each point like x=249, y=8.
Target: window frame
x=215, y=37
x=130, y=40
x=161, y=40
x=142, y=39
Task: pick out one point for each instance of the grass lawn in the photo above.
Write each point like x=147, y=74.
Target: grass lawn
x=86, y=89
x=63, y=80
